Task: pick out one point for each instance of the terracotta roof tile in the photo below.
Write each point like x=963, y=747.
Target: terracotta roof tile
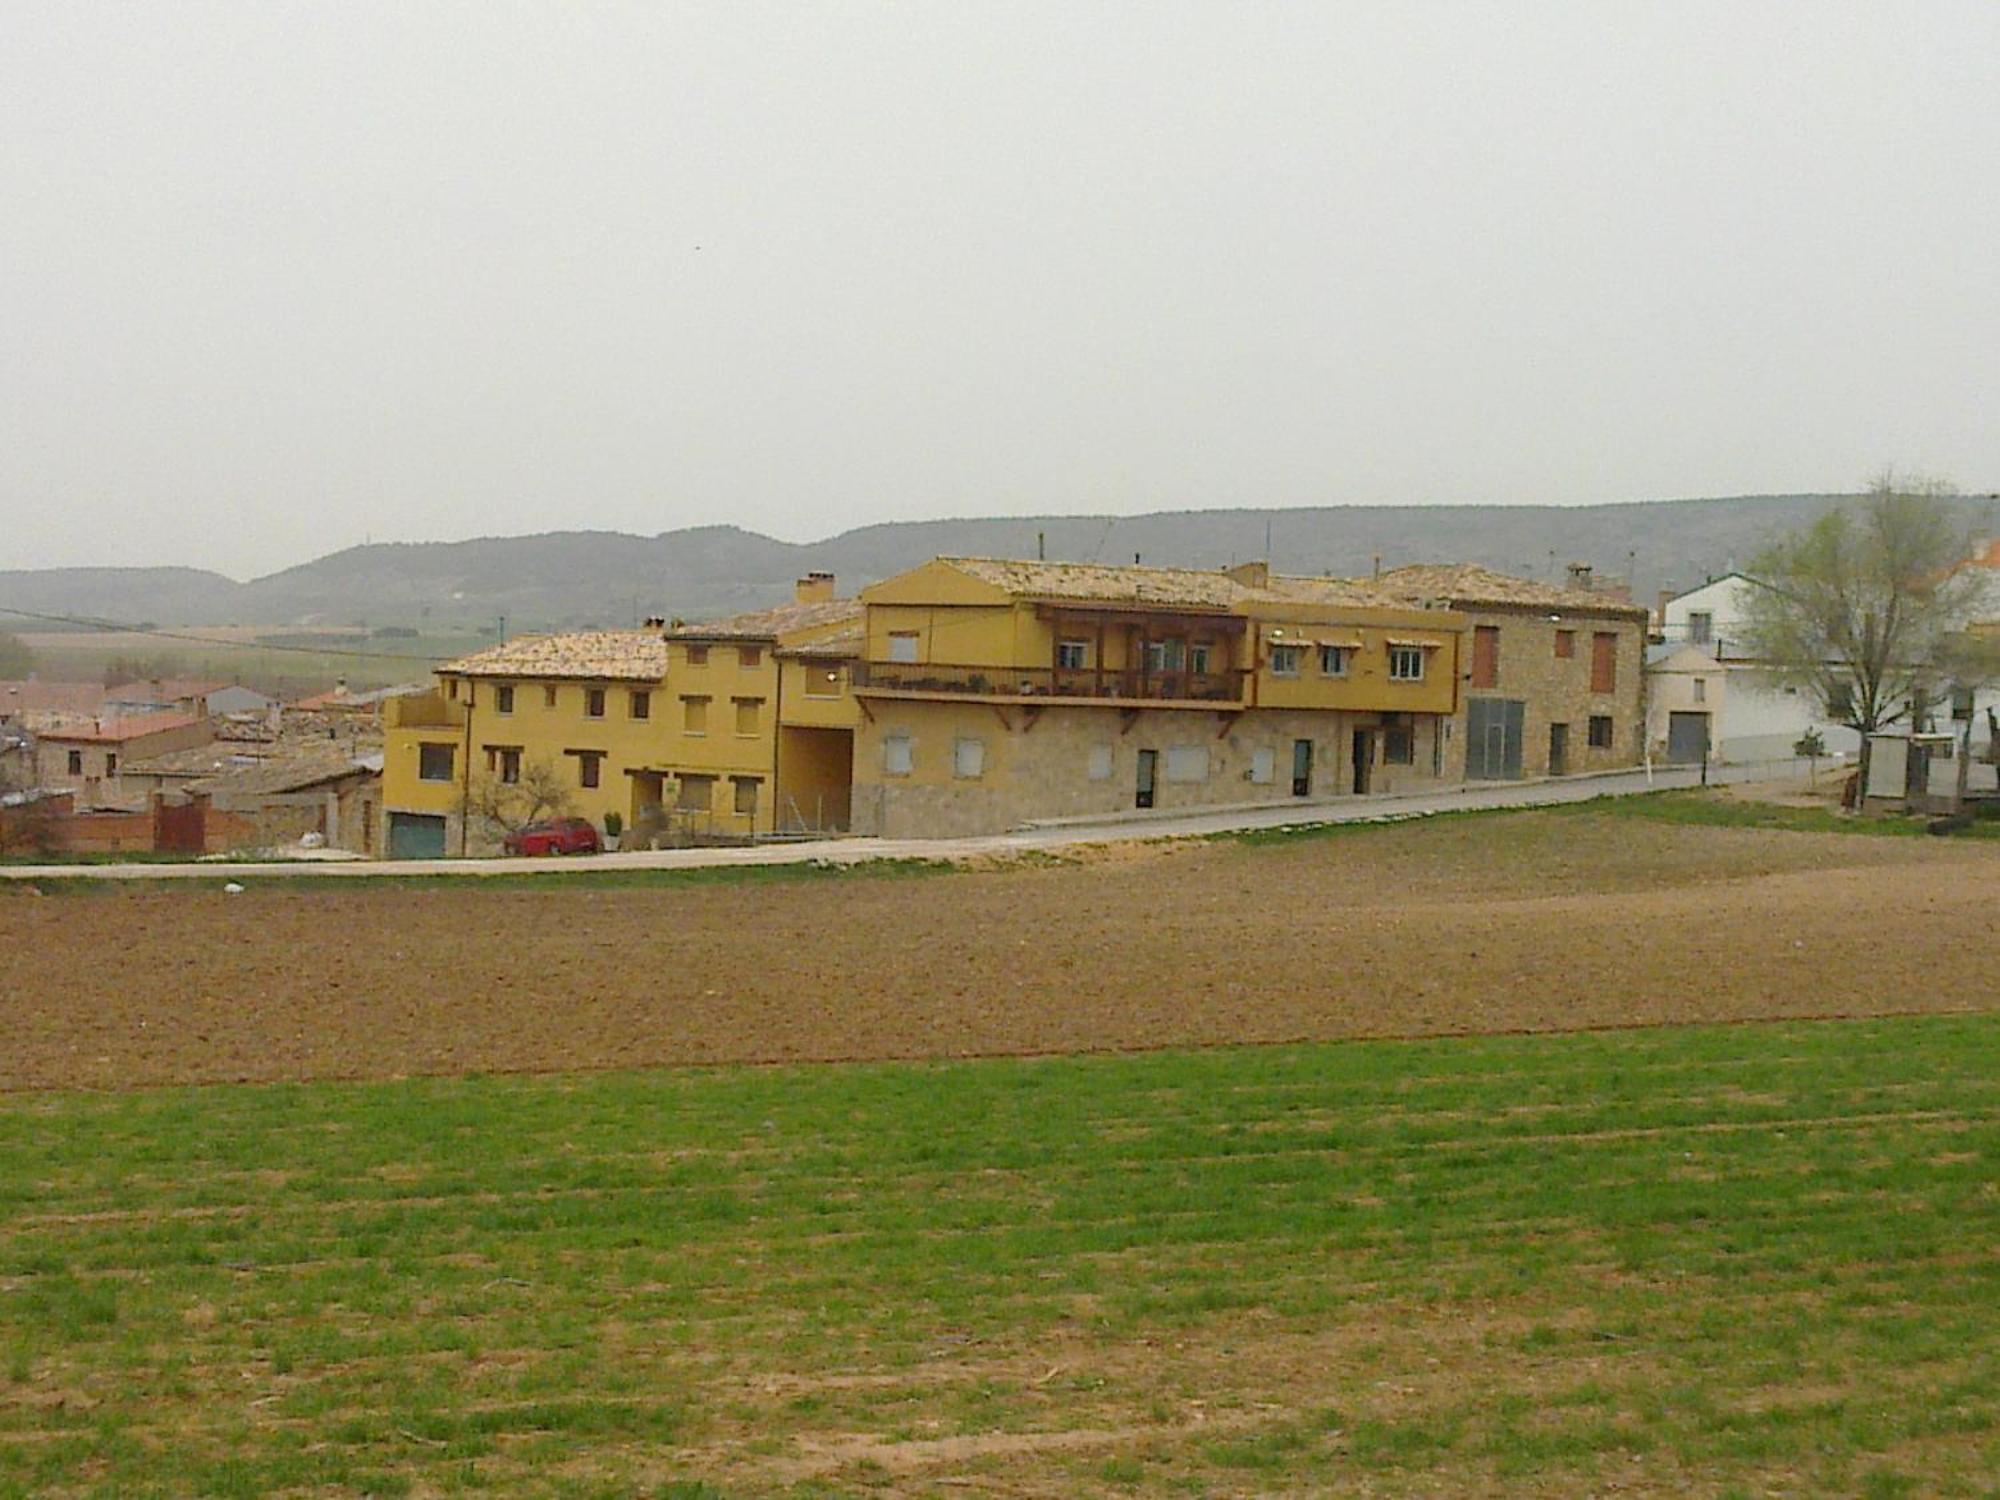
x=1468, y=583
x=771, y=624
x=620, y=655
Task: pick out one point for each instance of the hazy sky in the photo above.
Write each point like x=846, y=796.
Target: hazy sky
x=276, y=278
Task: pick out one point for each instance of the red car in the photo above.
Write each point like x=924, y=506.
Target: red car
x=557, y=836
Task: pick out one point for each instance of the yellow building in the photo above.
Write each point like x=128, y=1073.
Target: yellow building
x=992, y=691
x=580, y=712
x=729, y=729
x=762, y=718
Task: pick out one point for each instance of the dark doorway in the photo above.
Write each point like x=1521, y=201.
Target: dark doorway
x=1687, y=739
x=1364, y=759
x=1302, y=768
x=1493, y=738
x=1558, y=749
x=1149, y=767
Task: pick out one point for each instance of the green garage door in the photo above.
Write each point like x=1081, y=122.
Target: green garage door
x=415, y=836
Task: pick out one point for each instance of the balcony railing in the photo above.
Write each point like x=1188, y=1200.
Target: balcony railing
x=1050, y=682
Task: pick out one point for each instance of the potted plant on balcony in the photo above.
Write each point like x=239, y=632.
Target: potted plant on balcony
x=614, y=824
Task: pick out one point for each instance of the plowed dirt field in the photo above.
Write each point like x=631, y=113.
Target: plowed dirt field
x=1536, y=921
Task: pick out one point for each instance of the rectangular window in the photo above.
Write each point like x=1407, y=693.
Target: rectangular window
x=694, y=715
x=76, y=763
x=1072, y=656
x=1399, y=742
x=968, y=758
x=1198, y=658
x=697, y=656
x=902, y=645
x=1333, y=660
x=896, y=757
x=642, y=704
x=1485, y=656
x=1701, y=690
x=1406, y=664
x=746, y=794
x=549, y=696
x=1840, y=702
x=1263, y=766
x=1187, y=763
x=509, y=766
x=1565, y=645
x=110, y=763
x=589, y=768
x=503, y=698
x=1286, y=660
x=1164, y=656
x=749, y=712
x=697, y=793
x=451, y=690
x=1701, y=625
x=1604, y=662
x=434, y=761
x=749, y=656
x=593, y=703
x=1600, y=731
x=1099, y=765
x=1961, y=704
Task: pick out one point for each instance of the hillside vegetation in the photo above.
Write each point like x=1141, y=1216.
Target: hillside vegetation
x=576, y=578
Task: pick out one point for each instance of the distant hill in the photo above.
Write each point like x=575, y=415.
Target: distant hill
x=576, y=578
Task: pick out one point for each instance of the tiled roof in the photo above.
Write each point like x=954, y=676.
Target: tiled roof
x=836, y=647
x=1192, y=588
x=771, y=624
x=163, y=690
x=1468, y=583
x=33, y=696
x=621, y=655
x=288, y=773
x=112, y=731
x=1186, y=588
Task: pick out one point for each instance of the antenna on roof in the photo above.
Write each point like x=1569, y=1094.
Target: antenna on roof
x=1135, y=559
x=1267, y=539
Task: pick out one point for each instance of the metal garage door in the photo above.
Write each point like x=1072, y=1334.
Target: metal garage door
x=1687, y=738
x=415, y=836
x=1493, y=738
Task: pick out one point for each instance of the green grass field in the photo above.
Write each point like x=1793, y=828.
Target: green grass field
x=1745, y=1260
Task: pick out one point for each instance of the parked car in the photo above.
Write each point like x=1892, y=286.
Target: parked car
x=556, y=836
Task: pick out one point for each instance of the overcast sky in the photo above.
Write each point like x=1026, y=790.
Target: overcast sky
x=275, y=279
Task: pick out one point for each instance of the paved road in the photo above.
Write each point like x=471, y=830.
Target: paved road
x=1053, y=835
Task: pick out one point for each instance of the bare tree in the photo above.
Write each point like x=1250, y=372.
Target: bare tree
x=509, y=806
x=1860, y=608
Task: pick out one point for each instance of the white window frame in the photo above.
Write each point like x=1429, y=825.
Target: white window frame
x=1073, y=656
x=1284, y=653
x=1402, y=656
x=903, y=646
x=1341, y=656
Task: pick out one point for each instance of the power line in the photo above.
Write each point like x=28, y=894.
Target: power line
x=120, y=628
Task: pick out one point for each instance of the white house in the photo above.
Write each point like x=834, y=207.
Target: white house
x=1760, y=719
x=1685, y=691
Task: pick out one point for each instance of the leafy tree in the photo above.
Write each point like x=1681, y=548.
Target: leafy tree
x=1862, y=607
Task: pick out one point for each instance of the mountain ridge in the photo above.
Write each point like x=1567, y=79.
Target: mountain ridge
x=582, y=577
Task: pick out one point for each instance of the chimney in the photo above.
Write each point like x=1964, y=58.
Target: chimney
x=814, y=588
x=340, y=686
x=1252, y=575
x=1579, y=575
x=656, y=622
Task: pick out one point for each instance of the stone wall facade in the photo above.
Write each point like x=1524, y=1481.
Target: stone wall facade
x=1555, y=689
x=1068, y=760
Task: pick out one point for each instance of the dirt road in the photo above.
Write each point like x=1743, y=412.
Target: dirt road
x=1528, y=921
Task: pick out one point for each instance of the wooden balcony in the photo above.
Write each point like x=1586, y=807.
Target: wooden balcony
x=1036, y=684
